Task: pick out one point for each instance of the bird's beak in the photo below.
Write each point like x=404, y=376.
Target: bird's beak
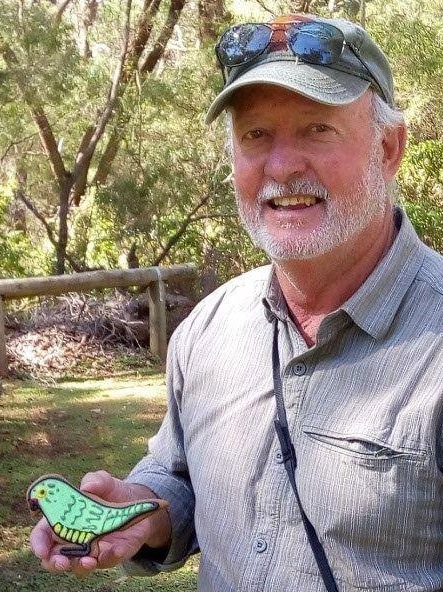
x=33, y=504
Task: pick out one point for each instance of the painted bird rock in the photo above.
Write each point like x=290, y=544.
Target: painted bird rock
x=81, y=518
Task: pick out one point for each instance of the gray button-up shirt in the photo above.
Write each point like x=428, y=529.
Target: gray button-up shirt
x=365, y=411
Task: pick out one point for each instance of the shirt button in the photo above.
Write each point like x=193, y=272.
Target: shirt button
x=300, y=369
x=278, y=457
x=260, y=545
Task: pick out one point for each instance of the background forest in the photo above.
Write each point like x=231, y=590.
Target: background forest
x=105, y=160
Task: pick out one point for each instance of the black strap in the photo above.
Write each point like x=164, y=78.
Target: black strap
x=290, y=461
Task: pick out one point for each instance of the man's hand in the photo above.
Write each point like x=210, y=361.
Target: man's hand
x=113, y=548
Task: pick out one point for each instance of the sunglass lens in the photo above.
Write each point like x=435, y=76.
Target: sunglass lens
x=316, y=43
x=242, y=43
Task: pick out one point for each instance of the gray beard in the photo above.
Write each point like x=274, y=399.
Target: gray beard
x=344, y=217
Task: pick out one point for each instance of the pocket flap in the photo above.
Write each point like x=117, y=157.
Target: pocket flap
x=357, y=444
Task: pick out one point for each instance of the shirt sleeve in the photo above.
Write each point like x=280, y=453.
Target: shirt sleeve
x=165, y=471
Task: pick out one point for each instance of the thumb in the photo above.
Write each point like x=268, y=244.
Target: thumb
x=102, y=484
x=109, y=488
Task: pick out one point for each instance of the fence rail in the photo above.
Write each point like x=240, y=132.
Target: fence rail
x=151, y=277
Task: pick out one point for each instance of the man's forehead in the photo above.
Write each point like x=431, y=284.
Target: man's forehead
x=265, y=96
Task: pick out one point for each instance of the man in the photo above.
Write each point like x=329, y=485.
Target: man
x=352, y=303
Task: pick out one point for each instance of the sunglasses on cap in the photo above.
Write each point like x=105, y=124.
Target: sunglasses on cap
x=313, y=42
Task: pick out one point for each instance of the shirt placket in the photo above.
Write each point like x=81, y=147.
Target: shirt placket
x=276, y=496
x=266, y=524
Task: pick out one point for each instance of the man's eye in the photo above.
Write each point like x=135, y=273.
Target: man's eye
x=319, y=128
x=254, y=134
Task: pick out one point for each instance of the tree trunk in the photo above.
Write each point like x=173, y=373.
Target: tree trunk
x=304, y=5
x=108, y=156
x=63, y=232
x=142, y=36
x=87, y=19
x=363, y=13
x=153, y=57
x=81, y=181
x=211, y=13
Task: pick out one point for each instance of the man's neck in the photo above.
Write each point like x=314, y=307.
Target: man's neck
x=315, y=287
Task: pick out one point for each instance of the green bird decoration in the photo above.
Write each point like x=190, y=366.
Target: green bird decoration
x=81, y=518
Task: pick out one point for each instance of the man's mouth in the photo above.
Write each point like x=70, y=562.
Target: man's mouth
x=294, y=201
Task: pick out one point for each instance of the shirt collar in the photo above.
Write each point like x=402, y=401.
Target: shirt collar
x=376, y=302
x=273, y=299
x=373, y=306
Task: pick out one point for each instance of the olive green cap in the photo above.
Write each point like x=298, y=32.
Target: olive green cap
x=340, y=83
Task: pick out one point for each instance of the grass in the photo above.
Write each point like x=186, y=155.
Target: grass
x=70, y=428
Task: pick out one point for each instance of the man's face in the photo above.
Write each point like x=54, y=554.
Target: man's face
x=308, y=177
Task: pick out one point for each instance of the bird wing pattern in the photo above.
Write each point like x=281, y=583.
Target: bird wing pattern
x=84, y=514
x=75, y=507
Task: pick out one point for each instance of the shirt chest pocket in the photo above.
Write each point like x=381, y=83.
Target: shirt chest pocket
x=373, y=498
x=369, y=450
x=379, y=469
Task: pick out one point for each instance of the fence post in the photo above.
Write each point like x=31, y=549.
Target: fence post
x=157, y=319
x=3, y=358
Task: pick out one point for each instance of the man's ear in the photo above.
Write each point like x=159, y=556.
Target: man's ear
x=394, y=144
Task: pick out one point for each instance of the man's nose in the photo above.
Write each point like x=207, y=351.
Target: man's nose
x=285, y=161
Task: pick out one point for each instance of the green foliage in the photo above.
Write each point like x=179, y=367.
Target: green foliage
x=19, y=257
x=421, y=182
x=47, y=57
x=171, y=163
x=412, y=37
x=413, y=40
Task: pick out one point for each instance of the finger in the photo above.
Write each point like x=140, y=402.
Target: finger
x=81, y=566
x=98, y=482
x=84, y=566
x=56, y=563
x=111, y=554
x=103, y=485
x=42, y=540
x=44, y=546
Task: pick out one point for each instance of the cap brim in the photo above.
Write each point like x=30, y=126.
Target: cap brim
x=319, y=83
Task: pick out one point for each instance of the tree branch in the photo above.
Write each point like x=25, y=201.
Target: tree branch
x=181, y=231
x=144, y=30
x=263, y=5
x=32, y=208
x=47, y=138
x=137, y=46
x=107, y=157
x=51, y=236
x=48, y=141
x=150, y=61
x=82, y=178
x=60, y=10
x=12, y=144
x=143, y=33
x=113, y=92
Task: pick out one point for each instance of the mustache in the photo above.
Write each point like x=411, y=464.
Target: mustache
x=272, y=189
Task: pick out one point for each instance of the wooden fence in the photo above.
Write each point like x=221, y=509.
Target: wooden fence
x=151, y=277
